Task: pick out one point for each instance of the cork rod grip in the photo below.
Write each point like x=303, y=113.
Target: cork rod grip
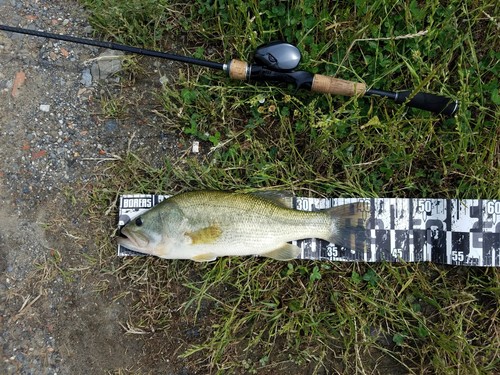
x=331, y=85
x=238, y=70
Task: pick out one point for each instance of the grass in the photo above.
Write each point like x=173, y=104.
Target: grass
x=255, y=315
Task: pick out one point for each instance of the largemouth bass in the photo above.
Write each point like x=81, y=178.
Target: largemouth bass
x=204, y=225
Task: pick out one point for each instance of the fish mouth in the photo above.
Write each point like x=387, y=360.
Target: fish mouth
x=133, y=241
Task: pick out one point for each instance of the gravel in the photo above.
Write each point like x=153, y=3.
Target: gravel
x=53, y=134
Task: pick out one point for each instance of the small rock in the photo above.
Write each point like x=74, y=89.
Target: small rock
x=88, y=30
x=64, y=52
x=44, y=107
x=86, y=78
x=18, y=82
x=5, y=42
x=94, y=71
x=4, y=84
x=196, y=147
x=111, y=125
x=109, y=62
x=30, y=26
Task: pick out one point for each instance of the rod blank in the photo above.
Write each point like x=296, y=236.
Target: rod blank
x=116, y=46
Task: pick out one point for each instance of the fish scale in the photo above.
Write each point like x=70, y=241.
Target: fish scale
x=259, y=224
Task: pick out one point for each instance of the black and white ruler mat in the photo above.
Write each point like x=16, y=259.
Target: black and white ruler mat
x=446, y=231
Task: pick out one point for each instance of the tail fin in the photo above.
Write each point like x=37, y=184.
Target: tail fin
x=349, y=225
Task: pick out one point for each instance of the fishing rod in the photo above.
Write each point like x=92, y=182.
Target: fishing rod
x=274, y=62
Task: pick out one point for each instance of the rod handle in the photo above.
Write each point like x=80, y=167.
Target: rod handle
x=337, y=86
x=428, y=102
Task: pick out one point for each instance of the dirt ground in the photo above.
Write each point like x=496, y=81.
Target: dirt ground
x=54, y=317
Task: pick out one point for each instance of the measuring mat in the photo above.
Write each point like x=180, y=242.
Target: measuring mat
x=446, y=231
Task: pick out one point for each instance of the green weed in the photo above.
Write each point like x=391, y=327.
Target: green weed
x=259, y=316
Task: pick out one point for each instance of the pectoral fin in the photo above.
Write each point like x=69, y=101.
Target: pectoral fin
x=286, y=251
x=207, y=257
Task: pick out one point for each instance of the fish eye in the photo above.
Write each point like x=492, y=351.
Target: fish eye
x=138, y=221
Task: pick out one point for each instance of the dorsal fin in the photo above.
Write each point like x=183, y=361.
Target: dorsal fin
x=278, y=197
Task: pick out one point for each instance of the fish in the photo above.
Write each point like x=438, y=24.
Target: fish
x=203, y=225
